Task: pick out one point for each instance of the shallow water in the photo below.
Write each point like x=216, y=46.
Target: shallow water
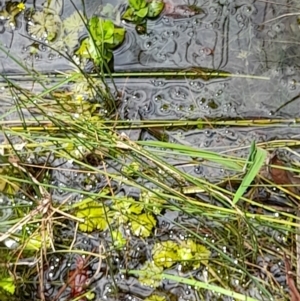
x=257, y=43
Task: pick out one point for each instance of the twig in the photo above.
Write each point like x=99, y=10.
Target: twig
x=280, y=17
x=295, y=296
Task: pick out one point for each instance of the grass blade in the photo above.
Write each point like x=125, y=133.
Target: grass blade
x=198, y=284
x=258, y=157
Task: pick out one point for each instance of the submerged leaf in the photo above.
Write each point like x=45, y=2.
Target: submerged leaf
x=155, y=8
x=55, y=5
x=6, y=185
x=45, y=25
x=74, y=23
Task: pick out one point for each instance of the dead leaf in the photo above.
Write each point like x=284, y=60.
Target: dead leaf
x=284, y=177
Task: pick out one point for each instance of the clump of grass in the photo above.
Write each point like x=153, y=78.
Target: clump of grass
x=51, y=133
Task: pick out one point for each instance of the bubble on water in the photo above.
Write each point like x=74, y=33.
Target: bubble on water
x=207, y=143
x=212, y=104
x=191, y=108
x=158, y=98
x=213, y=10
x=279, y=28
x=271, y=113
x=239, y=18
x=248, y=9
x=164, y=107
x=292, y=84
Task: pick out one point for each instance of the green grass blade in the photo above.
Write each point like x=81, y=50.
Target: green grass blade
x=227, y=161
x=197, y=284
x=258, y=155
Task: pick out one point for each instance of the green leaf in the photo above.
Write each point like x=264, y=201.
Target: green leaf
x=107, y=10
x=132, y=169
x=129, y=14
x=8, y=285
x=142, y=13
x=152, y=201
x=84, y=49
x=35, y=242
x=155, y=8
x=258, y=157
x=227, y=161
x=137, y=4
x=156, y=297
x=106, y=55
x=143, y=224
x=192, y=253
x=165, y=253
x=93, y=214
x=136, y=208
x=125, y=206
x=152, y=274
x=101, y=30
x=119, y=35
x=118, y=239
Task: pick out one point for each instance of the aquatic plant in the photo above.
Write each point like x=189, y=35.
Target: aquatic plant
x=185, y=223
x=11, y=11
x=44, y=25
x=139, y=10
x=104, y=36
